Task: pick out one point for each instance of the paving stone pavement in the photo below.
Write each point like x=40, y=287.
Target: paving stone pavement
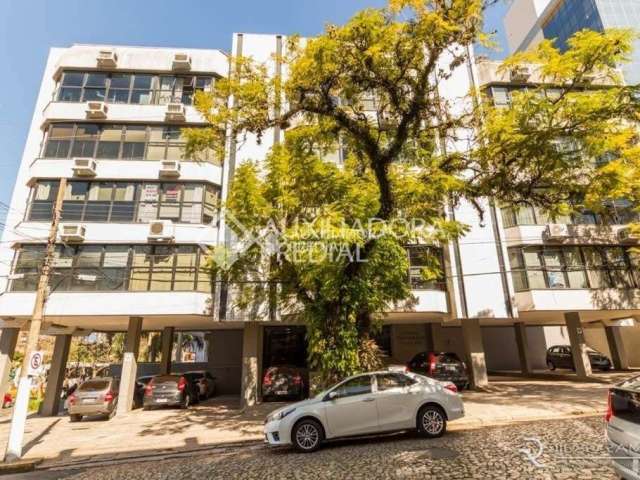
x=571, y=449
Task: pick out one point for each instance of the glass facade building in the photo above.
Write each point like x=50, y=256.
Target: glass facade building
x=570, y=16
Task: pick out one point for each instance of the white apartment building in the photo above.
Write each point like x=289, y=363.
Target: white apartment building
x=138, y=218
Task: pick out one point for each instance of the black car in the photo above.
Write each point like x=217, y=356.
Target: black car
x=560, y=356
x=445, y=366
x=205, y=382
x=285, y=382
x=174, y=390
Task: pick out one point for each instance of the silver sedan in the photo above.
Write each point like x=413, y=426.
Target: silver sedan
x=365, y=404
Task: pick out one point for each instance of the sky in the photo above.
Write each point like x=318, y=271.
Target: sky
x=28, y=29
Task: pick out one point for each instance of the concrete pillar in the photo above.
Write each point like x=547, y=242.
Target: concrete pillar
x=129, y=366
x=208, y=337
x=428, y=332
x=474, y=351
x=166, y=349
x=523, y=348
x=8, y=341
x=250, y=364
x=578, y=344
x=51, y=403
x=616, y=347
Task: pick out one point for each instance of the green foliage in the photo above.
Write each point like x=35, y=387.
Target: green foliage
x=372, y=86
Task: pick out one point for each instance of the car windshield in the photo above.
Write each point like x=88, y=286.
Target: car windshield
x=94, y=385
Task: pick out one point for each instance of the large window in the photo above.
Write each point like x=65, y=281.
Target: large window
x=82, y=268
x=421, y=257
x=138, y=88
x=538, y=267
x=127, y=142
x=616, y=213
x=113, y=201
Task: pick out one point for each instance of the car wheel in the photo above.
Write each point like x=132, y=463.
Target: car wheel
x=551, y=366
x=75, y=418
x=432, y=422
x=307, y=436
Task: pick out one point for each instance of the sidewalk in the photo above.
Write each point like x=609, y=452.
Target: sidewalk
x=219, y=423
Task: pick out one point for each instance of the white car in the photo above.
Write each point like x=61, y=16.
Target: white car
x=623, y=428
x=366, y=404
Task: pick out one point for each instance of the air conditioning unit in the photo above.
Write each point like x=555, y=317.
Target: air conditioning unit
x=84, y=167
x=181, y=61
x=97, y=110
x=170, y=168
x=72, y=232
x=161, y=231
x=107, y=59
x=520, y=74
x=556, y=231
x=175, y=113
x=629, y=235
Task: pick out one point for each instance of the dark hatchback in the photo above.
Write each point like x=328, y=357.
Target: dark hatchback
x=285, y=382
x=170, y=390
x=560, y=356
x=444, y=366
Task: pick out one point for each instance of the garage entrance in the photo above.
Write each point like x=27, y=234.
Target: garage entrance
x=225, y=360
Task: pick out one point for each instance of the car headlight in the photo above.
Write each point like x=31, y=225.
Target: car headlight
x=280, y=415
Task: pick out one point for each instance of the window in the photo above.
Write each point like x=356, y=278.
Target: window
x=139, y=88
x=388, y=381
x=572, y=267
x=43, y=198
x=501, y=96
x=82, y=268
x=356, y=386
x=421, y=257
x=59, y=140
x=127, y=202
x=127, y=142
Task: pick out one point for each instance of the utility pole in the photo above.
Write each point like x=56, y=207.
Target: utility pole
x=19, y=418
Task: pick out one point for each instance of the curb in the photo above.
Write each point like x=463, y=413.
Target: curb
x=92, y=462
x=19, y=466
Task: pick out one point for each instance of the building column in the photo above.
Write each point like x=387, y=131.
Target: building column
x=129, y=366
x=250, y=364
x=474, y=351
x=51, y=403
x=578, y=344
x=166, y=349
x=8, y=341
x=616, y=347
x=208, y=338
x=523, y=348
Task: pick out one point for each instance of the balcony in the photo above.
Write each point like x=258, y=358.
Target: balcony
x=117, y=112
x=107, y=304
x=137, y=233
x=605, y=300
x=576, y=235
x=125, y=170
x=423, y=304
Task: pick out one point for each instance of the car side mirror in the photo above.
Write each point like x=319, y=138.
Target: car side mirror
x=331, y=396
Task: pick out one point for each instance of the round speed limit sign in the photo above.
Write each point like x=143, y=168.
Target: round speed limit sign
x=35, y=363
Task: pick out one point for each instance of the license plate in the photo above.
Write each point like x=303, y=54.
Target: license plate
x=88, y=400
x=451, y=368
x=162, y=400
x=281, y=392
